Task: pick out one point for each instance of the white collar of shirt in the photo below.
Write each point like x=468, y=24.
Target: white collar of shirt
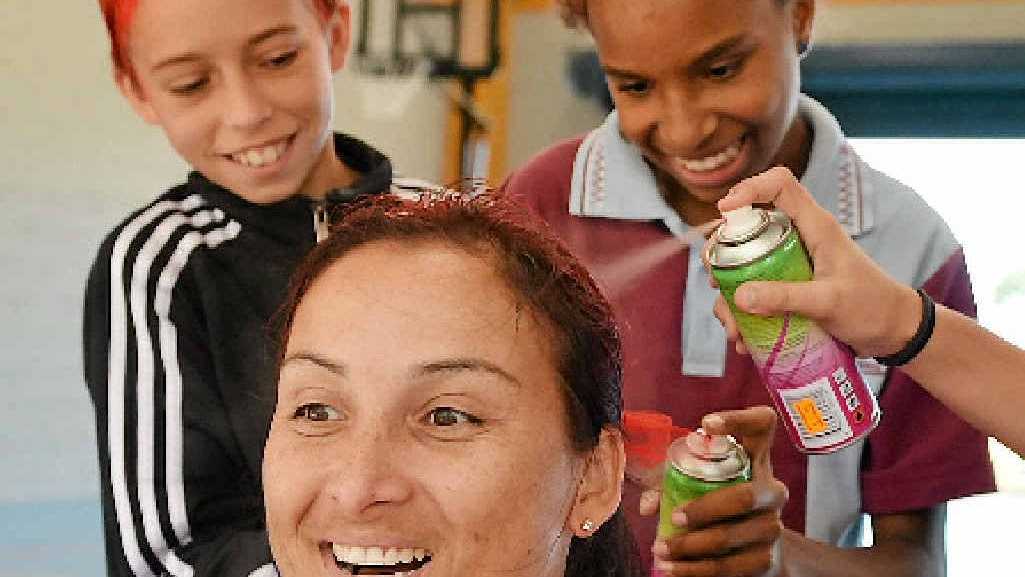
x=612, y=180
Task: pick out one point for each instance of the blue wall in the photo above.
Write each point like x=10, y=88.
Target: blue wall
x=51, y=539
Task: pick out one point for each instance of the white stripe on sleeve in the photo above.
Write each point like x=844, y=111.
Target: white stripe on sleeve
x=146, y=382
x=116, y=364
x=268, y=570
x=174, y=426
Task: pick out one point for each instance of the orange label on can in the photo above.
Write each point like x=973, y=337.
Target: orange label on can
x=810, y=415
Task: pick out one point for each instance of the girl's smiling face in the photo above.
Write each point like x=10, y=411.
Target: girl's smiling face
x=420, y=417
x=706, y=88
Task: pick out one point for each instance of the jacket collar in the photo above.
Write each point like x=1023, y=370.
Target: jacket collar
x=291, y=220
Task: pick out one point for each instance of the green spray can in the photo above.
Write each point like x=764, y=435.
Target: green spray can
x=812, y=378
x=699, y=464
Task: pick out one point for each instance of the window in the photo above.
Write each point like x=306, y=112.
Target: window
x=976, y=185
x=966, y=90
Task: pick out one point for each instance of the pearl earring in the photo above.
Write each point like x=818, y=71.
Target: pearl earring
x=587, y=526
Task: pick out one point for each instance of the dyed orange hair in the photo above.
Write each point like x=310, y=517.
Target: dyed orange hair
x=118, y=16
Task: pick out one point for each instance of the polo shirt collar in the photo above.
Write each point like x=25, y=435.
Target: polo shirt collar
x=612, y=180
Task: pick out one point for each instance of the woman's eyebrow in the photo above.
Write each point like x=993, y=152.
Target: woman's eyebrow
x=465, y=364
x=336, y=367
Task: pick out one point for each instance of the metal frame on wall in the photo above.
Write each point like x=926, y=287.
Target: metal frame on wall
x=455, y=55
x=444, y=64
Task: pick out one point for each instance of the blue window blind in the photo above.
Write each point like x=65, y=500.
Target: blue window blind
x=962, y=90
x=956, y=90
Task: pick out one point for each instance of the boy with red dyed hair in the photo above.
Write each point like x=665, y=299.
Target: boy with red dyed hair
x=177, y=356
x=117, y=14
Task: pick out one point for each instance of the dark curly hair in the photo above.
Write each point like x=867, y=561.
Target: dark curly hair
x=548, y=279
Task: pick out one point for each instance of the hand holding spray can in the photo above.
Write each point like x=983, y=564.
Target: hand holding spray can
x=686, y=464
x=819, y=394
x=698, y=464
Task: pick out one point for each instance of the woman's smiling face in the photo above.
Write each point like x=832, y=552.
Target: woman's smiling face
x=420, y=416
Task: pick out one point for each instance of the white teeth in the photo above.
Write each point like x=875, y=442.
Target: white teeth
x=257, y=157
x=357, y=555
x=713, y=162
x=254, y=158
x=377, y=555
x=270, y=154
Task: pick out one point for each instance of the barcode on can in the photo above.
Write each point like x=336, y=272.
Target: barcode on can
x=816, y=414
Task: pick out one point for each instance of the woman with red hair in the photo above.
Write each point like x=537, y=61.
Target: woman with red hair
x=707, y=93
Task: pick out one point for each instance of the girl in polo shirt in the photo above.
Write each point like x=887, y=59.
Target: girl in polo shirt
x=707, y=93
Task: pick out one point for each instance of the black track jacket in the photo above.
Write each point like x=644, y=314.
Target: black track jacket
x=180, y=364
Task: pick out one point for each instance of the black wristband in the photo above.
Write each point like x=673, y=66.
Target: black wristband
x=917, y=342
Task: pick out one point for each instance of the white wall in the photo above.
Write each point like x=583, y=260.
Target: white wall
x=542, y=108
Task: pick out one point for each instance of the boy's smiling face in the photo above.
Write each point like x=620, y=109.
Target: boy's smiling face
x=242, y=88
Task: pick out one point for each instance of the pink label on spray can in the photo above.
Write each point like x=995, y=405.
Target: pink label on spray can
x=824, y=402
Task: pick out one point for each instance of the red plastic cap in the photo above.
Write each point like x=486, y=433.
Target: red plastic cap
x=648, y=435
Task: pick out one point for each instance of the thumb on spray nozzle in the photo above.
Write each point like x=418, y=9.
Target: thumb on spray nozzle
x=713, y=424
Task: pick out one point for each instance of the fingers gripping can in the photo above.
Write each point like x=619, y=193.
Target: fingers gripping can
x=698, y=464
x=819, y=394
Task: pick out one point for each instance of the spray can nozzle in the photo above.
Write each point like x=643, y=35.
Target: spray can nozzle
x=709, y=447
x=743, y=224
